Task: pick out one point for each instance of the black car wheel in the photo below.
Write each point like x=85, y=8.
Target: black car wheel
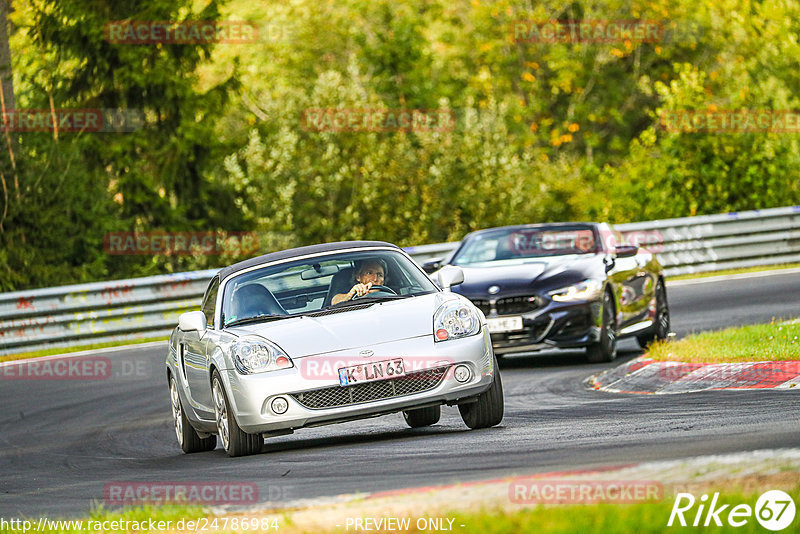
x=661, y=325
x=422, y=416
x=488, y=409
x=236, y=441
x=605, y=350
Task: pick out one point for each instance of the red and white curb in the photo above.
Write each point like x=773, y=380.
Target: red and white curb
x=645, y=375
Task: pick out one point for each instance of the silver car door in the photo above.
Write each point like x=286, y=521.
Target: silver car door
x=196, y=352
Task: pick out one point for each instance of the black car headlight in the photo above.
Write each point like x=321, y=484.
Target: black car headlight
x=455, y=319
x=255, y=355
x=586, y=290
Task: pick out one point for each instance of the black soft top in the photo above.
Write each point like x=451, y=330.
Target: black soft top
x=300, y=251
x=530, y=226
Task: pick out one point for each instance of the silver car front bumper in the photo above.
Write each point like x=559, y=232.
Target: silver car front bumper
x=251, y=396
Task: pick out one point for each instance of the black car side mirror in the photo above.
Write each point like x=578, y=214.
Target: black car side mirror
x=626, y=251
x=432, y=265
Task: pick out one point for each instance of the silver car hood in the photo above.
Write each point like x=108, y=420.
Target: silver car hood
x=383, y=322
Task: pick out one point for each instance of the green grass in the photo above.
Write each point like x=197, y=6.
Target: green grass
x=754, y=343
x=724, y=272
x=77, y=348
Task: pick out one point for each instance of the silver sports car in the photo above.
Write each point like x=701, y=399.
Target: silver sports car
x=325, y=334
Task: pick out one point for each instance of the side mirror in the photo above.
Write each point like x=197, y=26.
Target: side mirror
x=194, y=321
x=626, y=251
x=432, y=265
x=450, y=275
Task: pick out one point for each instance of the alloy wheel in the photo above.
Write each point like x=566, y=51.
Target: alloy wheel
x=221, y=411
x=662, y=313
x=177, y=410
x=610, y=336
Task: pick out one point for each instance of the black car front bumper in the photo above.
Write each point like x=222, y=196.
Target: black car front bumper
x=557, y=325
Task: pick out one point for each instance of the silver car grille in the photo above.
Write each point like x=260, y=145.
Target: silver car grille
x=336, y=396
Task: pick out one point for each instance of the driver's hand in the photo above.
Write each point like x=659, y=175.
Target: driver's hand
x=359, y=290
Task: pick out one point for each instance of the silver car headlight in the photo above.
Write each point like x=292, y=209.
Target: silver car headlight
x=454, y=320
x=586, y=290
x=255, y=355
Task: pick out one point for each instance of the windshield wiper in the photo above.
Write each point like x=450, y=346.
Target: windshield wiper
x=257, y=319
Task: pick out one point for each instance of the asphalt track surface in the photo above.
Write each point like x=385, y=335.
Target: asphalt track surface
x=63, y=442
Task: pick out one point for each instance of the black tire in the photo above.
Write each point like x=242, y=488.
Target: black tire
x=660, y=329
x=422, y=416
x=235, y=441
x=605, y=350
x=488, y=409
x=188, y=438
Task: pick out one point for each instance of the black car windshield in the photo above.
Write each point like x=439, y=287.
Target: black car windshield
x=315, y=284
x=530, y=242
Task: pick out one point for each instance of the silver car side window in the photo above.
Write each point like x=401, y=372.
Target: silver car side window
x=210, y=302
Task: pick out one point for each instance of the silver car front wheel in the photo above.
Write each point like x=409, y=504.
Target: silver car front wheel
x=235, y=441
x=221, y=411
x=188, y=438
x=488, y=409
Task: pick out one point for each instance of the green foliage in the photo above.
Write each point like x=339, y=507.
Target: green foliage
x=76, y=187
x=543, y=131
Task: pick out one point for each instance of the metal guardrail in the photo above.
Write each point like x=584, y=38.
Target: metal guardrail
x=149, y=307
x=99, y=312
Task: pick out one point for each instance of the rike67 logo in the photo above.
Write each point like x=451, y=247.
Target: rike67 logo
x=774, y=510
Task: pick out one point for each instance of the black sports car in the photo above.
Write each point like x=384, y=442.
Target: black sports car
x=561, y=285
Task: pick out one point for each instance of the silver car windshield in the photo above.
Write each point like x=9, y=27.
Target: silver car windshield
x=516, y=243
x=310, y=285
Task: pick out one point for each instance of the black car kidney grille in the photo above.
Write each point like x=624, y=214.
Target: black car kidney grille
x=511, y=305
x=514, y=305
x=336, y=396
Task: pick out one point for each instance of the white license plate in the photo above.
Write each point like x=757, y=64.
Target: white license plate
x=504, y=324
x=367, y=372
